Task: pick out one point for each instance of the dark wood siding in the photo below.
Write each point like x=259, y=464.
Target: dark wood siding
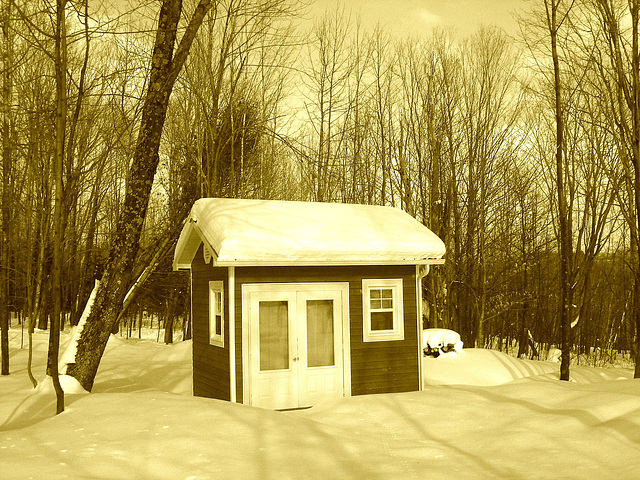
x=238, y=329
x=387, y=366
x=376, y=367
x=210, y=362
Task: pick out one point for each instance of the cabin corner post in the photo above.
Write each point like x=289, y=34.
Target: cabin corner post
x=232, y=333
x=421, y=272
x=244, y=322
x=346, y=341
x=419, y=323
x=193, y=382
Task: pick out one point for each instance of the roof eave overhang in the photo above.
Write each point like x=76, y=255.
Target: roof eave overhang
x=322, y=263
x=189, y=242
x=181, y=266
x=327, y=263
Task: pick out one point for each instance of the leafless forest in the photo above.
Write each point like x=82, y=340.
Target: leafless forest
x=522, y=154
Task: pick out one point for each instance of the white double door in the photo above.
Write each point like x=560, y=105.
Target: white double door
x=296, y=349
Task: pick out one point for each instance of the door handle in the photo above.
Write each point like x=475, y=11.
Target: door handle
x=295, y=359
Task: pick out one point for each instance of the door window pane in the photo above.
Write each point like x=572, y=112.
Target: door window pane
x=320, y=333
x=274, y=335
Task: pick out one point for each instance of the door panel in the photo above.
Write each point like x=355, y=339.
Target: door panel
x=320, y=367
x=273, y=370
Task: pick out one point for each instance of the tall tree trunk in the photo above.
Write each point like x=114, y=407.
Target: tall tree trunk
x=171, y=307
x=6, y=166
x=566, y=289
x=635, y=115
x=58, y=231
x=628, y=100
x=524, y=326
x=636, y=320
x=73, y=284
x=117, y=279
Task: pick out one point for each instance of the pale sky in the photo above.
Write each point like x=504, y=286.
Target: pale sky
x=418, y=17
x=415, y=17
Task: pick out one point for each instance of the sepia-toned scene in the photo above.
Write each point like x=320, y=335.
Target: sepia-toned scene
x=287, y=239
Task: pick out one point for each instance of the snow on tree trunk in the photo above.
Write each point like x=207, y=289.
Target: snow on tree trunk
x=69, y=355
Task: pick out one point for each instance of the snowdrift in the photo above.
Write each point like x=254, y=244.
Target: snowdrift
x=142, y=422
x=476, y=366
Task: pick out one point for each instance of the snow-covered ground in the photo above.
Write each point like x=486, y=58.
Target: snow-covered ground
x=482, y=414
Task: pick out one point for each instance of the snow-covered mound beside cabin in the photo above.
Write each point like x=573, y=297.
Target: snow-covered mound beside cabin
x=478, y=366
x=141, y=422
x=436, y=341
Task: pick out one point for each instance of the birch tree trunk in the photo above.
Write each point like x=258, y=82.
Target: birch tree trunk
x=116, y=281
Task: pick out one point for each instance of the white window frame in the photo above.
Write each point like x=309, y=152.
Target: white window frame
x=395, y=333
x=216, y=288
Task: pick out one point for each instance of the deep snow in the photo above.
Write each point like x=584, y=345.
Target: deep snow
x=482, y=414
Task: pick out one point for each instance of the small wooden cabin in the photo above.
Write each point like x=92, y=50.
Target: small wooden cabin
x=295, y=302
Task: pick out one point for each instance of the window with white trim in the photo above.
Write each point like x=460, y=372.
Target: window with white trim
x=216, y=313
x=382, y=310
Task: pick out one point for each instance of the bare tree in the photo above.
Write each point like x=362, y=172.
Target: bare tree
x=60, y=62
x=488, y=113
x=7, y=163
x=426, y=71
x=554, y=18
x=618, y=64
x=326, y=105
x=116, y=281
x=232, y=84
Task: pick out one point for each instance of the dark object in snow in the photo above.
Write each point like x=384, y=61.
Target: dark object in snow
x=436, y=351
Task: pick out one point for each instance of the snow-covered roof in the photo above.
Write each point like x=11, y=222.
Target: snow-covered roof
x=239, y=232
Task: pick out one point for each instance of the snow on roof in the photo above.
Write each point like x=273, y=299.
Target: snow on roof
x=271, y=232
